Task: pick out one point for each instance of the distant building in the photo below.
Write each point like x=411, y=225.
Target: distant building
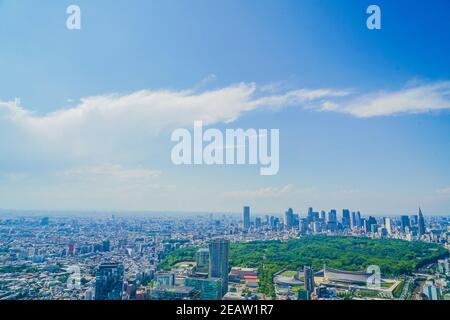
x=289, y=219
x=346, y=218
x=404, y=223
x=332, y=216
x=109, y=281
x=218, y=261
x=202, y=259
x=358, y=219
x=353, y=222
x=45, y=221
x=431, y=292
x=246, y=218
x=209, y=288
x=258, y=222
x=71, y=249
x=106, y=246
x=164, y=279
x=309, y=279
x=421, y=224
x=388, y=225
x=174, y=293
x=248, y=276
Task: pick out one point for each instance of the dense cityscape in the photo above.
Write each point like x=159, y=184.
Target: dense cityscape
x=207, y=257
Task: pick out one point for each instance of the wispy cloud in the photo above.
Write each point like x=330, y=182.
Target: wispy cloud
x=266, y=192
x=418, y=98
x=444, y=191
x=105, y=127
x=115, y=126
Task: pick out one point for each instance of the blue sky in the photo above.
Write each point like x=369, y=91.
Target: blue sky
x=380, y=146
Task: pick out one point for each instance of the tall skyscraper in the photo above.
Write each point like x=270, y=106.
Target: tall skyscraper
x=332, y=220
x=421, y=223
x=358, y=219
x=289, y=218
x=404, y=223
x=109, y=281
x=310, y=215
x=323, y=215
x=388, y=225
x=309, y=279
x=218, y=261
x=202, y=258
x=346, y=218
x=353, y=223
x=246, y=218
x=332, y=216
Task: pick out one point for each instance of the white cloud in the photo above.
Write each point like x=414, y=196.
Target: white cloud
x=154, y=110
x=117, y=127
x=413, y=99
x=105, y=127
x=444, y=191
x=113, y=171
x=267, y=192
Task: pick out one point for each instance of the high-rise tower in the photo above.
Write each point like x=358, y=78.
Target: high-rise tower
x=218, y=261
x=246, y=218
x=421, y=223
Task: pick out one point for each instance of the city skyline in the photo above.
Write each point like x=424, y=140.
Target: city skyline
x=86, y=115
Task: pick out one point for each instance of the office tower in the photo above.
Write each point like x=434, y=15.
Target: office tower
x=164, y=279
x=106, y=246
x=45, y=221
x=309, y=279
x=303, y=225
x=404, y=223
x=346, y=218
x=323, y=216
x=218, y=261
x=332, y=220
x=421, y=223
x=109, y=281
x=288, y=219
x=388, y=225
x=316, y=227
x=353, y=220
x=332, y=216
x=246, y=218
x=414, y=220
x=364, y=224
x=312, y=215
x=358, y=219
x=209, y=288
x=371, y=225
x=258, y=222
x=202, y=259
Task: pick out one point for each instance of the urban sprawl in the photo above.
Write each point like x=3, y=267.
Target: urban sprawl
x=118, y=257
